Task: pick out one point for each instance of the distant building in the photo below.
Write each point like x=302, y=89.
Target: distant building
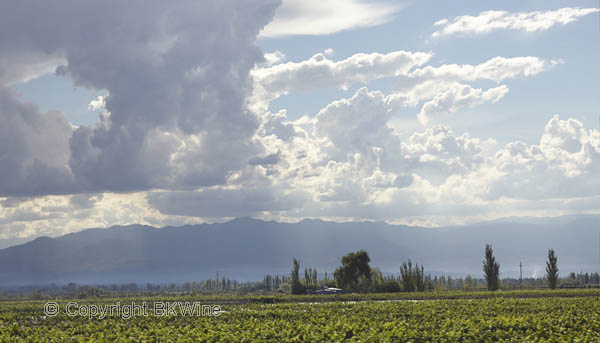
x=331, y=290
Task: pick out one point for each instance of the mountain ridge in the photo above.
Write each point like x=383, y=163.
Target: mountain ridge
x=247, y=248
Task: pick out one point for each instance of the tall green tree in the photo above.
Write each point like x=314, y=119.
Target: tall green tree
x=412, y=279
x=407, y=275
x=310, y=278
x=355, y=267
x=491, y=269
x=552, y=269
x=376, y=276
x=420, y=281
x=307, y=279
x=297, y=287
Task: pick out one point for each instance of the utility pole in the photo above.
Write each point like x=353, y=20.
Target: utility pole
x=521, y=275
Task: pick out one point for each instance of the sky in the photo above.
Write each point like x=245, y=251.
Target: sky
x=422, y=113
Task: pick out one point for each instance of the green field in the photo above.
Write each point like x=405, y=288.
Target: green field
x=532, y=316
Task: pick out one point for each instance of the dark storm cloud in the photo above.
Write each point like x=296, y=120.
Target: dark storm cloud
x=34, y=148
x=176, y=73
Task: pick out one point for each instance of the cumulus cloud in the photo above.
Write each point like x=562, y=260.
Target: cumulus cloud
x=359, y=127
x=413, y=85
x=459, y=96
x=496, y=69
x=353, y=155
x=98, y=104
x=429, y=82
x=311, y=17
x=458, y=176
x=441, y=86
x=321, y=72
x=356, y=124
x=437, y=153
x=274, y=57
x=501, y=20
x=354, y=165
x=176, y=80
x=359, y=186
x=34, y=149
x=564, y=164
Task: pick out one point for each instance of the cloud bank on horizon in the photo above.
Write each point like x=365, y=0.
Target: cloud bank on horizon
x=187, y=131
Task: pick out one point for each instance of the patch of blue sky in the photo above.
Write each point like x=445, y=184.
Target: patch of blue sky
x=51, y=92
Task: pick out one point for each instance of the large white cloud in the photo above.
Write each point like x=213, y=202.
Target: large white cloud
x=501, y=20
x=321, y=17
x=357, y=166
x=564, y=164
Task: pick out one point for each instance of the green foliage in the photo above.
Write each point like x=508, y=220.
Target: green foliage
x=552, y=269
x=469, y=284
x=376, y=276
x=330, y=283
x=491, y=269
x=263, y=319
x=412, y=279
x=310, y=278
x=297, y=286
x=387, y=286
x=355, y=271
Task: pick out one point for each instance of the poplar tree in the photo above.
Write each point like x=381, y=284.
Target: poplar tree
x=552, y=269
x=491, y=269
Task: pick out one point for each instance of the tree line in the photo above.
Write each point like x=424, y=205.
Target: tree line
x=355, y=274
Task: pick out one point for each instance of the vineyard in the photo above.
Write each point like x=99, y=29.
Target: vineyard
x=565, y=316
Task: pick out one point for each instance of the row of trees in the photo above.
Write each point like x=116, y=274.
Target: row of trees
x=356, y=274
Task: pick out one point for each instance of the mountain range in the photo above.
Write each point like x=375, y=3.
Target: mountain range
x=248, y=249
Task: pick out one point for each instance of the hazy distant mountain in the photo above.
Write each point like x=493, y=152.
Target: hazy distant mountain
x=9, y=242
x=248, y=249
